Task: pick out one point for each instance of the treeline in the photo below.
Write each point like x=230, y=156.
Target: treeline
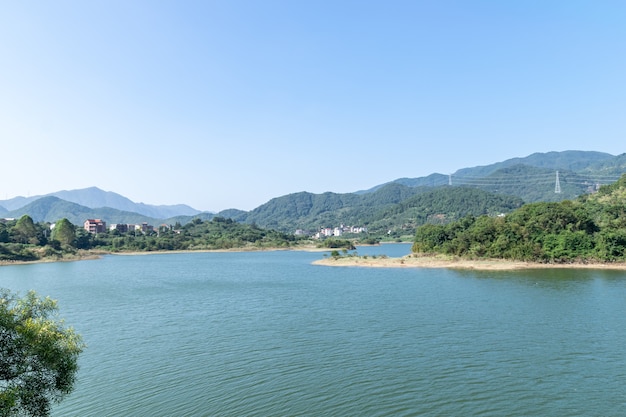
x=589, y=229
x=25, y=240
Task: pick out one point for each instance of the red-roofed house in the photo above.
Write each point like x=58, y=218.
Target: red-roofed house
x=95, y=226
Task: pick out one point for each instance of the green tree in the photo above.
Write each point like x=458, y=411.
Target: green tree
x=25, y=230
x=38, y=355
x=4, y=233
x=84, y=239
x=64, y=232
x=429, y=237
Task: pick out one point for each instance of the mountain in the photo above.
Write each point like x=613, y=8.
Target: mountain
x=52, y=209
x=552, y=161
x=17, y=202
x=505, y=185
x=232, y=213
x=612, y=167
x=393, y=207
x=401, y=204
x=533, y=178
x=94, y=197
x=310, y=211
x=186, y=219
x=530, y=183
x=433, y=180
x=442, y=205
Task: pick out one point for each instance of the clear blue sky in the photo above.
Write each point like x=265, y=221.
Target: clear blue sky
x=221, y=104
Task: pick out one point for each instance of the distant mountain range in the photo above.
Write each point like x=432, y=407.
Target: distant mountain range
x=405, y=203
x=93, y=197
x=401, y=204
x=588, y=165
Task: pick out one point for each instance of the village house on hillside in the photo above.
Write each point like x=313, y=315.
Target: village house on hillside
x=95, y=226
x=143, y=227
x=100, y=226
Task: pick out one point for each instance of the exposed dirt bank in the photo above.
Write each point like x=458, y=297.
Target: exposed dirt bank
x=413, y=261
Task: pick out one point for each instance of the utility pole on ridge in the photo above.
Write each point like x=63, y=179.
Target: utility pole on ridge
x=557, y=186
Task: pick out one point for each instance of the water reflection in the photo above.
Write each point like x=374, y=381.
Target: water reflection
x=548, y=278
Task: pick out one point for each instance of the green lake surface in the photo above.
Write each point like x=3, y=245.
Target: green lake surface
x=269, y=334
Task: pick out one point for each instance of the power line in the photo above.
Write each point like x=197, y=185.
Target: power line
x=543, y=179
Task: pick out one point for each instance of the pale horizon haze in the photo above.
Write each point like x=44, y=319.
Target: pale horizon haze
x=227, y=104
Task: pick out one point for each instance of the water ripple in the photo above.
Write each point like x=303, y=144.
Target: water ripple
x=263, y=334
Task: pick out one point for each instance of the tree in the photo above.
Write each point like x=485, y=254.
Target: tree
x=4, y=233
x=25, y=230
x=64, y=232
x=38, y=355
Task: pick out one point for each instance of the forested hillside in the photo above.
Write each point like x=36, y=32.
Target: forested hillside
x=531, y=184
x=433, y=180
x=312, y=211
x=611, y=166
x=440, y=206
x=589, y=229
x=533, y=178
x=393, y=208
x=552, y=161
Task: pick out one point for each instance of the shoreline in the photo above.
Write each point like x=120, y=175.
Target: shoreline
x=91, y=255
x=408, y=261
x=234, y=250
x=412, y=261
x=85, y=256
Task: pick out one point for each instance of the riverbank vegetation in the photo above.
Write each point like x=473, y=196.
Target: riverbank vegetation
x=23, y=240
x=591, y=228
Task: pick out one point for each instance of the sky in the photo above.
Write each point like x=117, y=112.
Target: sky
x=227, y=104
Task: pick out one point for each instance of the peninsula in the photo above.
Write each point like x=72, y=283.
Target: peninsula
x=442, y=261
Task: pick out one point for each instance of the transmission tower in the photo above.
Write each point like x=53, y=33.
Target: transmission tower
x=449, y=179
x=557, y=186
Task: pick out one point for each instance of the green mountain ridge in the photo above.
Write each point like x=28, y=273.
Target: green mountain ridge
x=442, y=205
x=615, y=166
x=312, y=211
x=51, y=209
x=524, y=180
x=533, y=178
x=393, y=206
x=565, y=160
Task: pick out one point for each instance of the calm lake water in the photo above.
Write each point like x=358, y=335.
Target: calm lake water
x=269, y=334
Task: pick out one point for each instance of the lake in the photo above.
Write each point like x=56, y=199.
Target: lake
x=269, y=334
